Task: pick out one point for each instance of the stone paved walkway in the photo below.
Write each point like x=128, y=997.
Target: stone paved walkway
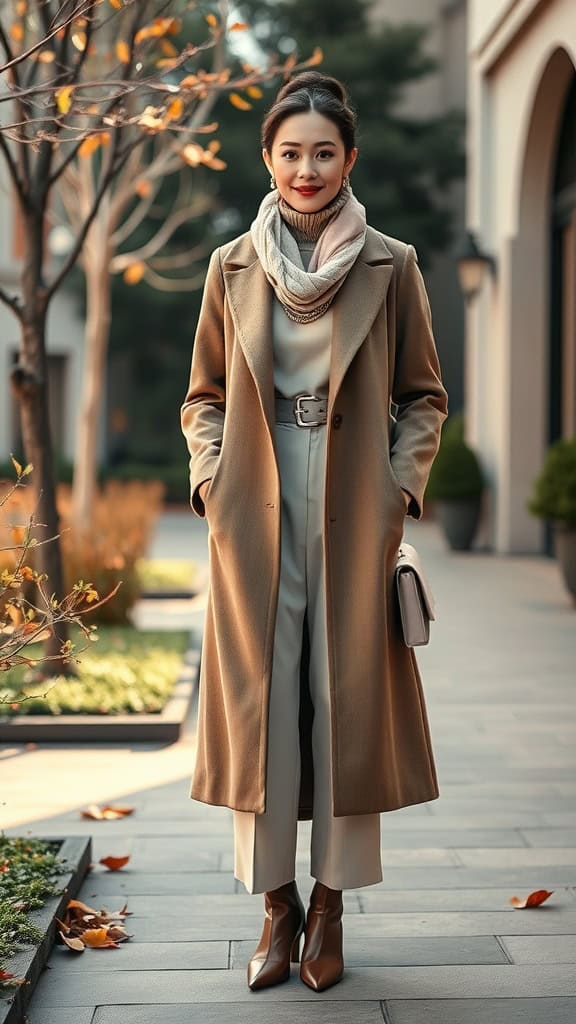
x=437, y=941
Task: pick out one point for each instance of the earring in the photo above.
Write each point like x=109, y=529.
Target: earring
x=346, y=181
x=272, y=182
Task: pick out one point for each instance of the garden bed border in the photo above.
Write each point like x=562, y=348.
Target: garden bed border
x=30, y=961
x=164, y=726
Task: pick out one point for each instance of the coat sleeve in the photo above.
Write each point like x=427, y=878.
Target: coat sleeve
x=202, y=413
x=417, y=387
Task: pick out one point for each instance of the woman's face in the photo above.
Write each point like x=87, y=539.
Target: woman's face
x=308, y=153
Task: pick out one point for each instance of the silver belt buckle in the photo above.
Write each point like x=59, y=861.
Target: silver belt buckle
x=299, y=411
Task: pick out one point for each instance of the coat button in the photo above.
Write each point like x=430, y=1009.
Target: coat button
x=337, y=420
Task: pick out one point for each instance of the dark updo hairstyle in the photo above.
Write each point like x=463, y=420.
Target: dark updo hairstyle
x=312, y=90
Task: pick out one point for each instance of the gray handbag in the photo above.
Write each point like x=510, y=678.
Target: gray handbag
x=415, y=600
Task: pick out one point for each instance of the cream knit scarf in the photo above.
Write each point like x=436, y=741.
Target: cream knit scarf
x=307, y=294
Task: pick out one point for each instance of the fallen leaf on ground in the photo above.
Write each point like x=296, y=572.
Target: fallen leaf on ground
x=98, y=938
x=107, y=811
x=114, y=863
x=533, y=900
x=76, y=944
x=84, y=926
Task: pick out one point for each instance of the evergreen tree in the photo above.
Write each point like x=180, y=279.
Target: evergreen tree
x=405, y=166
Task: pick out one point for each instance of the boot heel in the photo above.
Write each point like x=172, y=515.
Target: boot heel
x=295, y=951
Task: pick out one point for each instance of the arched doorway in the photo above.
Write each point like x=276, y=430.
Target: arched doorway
x=562, y=381
x=540, y=290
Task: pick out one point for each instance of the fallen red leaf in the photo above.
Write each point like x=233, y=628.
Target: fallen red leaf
x=114, y=863
x=533, y=900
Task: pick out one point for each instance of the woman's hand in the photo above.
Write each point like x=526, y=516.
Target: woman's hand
x=203, y=490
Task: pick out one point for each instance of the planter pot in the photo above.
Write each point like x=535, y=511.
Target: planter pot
x=565, y=546
x=459, y=520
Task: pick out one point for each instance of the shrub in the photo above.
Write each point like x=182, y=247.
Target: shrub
x=554, y=491
x=456, y=472
x=124, y=516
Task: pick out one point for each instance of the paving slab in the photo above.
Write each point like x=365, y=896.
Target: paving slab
x=372, y=983
x=540, y=949
x=485, y=1011
x=397, y=952
x=305, y=1012
x=549, y=837
x=447, y=899
x=60, y=1015
x=143, y=956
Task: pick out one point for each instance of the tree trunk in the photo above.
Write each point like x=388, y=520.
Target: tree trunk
x=98, y=302
x=30, y=383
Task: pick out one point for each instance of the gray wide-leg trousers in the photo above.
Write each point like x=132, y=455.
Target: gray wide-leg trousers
x=345, y=851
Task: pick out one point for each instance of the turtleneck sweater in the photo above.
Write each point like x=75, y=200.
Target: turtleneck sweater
x=302, y=350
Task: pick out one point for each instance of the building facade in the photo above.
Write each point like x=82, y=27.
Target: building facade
x=438, y=93
x=520, y=356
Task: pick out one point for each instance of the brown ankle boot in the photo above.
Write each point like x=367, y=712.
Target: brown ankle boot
x=322, y=961
x=280, y=940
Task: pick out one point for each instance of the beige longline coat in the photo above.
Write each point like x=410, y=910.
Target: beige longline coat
x=382, y=350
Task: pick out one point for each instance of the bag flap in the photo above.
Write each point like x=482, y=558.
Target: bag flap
x=409, y=561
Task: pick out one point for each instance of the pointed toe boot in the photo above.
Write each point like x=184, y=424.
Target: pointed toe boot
x=322, y=962
x=280, y=940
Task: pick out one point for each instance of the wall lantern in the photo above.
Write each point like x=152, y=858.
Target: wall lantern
x=472, y=266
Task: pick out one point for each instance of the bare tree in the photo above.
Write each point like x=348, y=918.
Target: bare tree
x=94, y=81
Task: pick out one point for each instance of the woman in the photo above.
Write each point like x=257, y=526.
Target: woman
x=310, y=705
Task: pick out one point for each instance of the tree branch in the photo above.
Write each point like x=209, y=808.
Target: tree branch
x=13, y=170
x=85, y=7
x=163, y=235
x=173, y=284
x=13, y=303
x=77, y=247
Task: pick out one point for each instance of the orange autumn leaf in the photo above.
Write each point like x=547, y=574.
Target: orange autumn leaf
x=17, y=32
x=89, y=146
x=535, y=899
x=114, y=863
x=239, y=102
x=175, y=109
x=98, y=938
x=46, y=56
x=117, y=4
x=255, y=92
x=211, y=20
x=143, y=188
x=134, y=273
x=123, y=51
x=316, y=58
x=168, y=48
x=239, y=26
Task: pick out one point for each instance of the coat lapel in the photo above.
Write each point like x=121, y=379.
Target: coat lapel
x=250, y=299
x=355, y=308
